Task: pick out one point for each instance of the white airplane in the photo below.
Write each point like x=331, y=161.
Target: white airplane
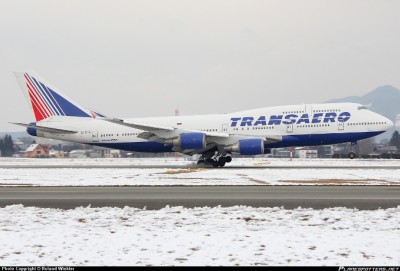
x=215, y=137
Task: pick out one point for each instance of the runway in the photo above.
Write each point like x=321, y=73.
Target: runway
x=177, y=166
x=156, y=197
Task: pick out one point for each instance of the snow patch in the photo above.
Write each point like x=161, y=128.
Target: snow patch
x=370, y=172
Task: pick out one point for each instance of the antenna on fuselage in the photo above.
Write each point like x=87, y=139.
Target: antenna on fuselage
x=177, y=111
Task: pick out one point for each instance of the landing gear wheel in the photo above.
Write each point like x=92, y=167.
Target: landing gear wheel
x=214, y=159
x=212, y=162
x=221, y=161
x=352, y=155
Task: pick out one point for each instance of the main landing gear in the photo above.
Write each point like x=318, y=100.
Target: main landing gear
x=214, y=159
x=352, y=153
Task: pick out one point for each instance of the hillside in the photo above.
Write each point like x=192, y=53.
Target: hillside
x=384, y=100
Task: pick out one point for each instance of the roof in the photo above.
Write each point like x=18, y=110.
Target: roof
x=32, y=147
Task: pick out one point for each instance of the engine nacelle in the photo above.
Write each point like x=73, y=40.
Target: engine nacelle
x=32, y=131
x=189, y=141
x=248, y=147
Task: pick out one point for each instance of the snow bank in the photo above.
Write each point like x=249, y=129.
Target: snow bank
x=201, y=236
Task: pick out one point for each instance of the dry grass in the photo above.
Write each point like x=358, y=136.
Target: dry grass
x=334, y=181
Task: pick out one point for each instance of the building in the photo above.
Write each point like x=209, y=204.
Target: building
x=37, y=151
x=56, y=154
x=110, y=153
x=306, y=153
x=389, y=150
x=78, y=154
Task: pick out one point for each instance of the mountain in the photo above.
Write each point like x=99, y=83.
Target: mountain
x=384, y=100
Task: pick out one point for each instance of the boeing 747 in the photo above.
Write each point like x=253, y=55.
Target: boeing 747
x=215, y=137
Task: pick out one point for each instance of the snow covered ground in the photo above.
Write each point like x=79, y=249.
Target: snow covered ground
x=237, y=235
x=187, y=161
x=64, y=172
x=201, y=236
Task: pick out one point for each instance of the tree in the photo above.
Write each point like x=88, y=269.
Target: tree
x=395, y=140
x=7, y=146
x=1, y=147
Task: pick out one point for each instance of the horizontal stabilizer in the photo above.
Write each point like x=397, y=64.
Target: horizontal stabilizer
x=96, y=114
x=45, y=129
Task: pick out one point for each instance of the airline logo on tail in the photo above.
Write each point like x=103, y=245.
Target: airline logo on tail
x=47, y=102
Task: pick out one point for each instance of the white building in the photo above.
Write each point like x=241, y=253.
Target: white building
x=78, y=154
x=306, y=153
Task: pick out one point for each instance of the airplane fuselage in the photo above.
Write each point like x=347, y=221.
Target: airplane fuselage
x=297, y=125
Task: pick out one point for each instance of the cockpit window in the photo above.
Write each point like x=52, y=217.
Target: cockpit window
x=362, y=107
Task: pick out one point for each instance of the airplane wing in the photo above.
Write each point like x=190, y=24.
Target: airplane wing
x=140, y=126
x=164, y=132
x=46, y=129
x=166, y=135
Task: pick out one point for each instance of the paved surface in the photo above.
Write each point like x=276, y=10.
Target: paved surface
x=317, y=197
x=227, y=167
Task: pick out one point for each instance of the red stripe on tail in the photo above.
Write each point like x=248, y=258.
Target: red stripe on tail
x=38, y=114
x=39, y=100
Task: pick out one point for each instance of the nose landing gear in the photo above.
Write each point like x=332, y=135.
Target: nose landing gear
x=352, y=153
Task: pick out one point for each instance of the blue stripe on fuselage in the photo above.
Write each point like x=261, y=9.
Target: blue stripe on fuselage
x=288, y=141
x=153, y=147
x=320, y=139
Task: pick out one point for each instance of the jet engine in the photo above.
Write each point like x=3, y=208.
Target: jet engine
x=247, y=146
x=189, y=141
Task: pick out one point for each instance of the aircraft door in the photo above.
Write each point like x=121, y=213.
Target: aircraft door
x=224, y=127
x=289, y=128
x=95, y=136
x=340, y=125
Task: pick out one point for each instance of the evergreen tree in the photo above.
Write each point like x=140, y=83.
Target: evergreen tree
x=395, y=140
x=7, y=146
x=1, y=147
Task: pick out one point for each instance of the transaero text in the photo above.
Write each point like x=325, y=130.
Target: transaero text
x=291, y=119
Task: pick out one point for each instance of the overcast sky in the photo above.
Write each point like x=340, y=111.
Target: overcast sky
x=143, y=58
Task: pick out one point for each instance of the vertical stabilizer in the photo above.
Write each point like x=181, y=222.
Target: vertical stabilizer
x=47, y=100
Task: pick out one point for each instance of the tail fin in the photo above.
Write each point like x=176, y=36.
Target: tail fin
x=47, y=100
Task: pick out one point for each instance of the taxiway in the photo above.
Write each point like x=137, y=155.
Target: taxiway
x=156, y=197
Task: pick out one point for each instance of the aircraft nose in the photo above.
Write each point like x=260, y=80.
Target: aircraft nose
x=389, y=124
